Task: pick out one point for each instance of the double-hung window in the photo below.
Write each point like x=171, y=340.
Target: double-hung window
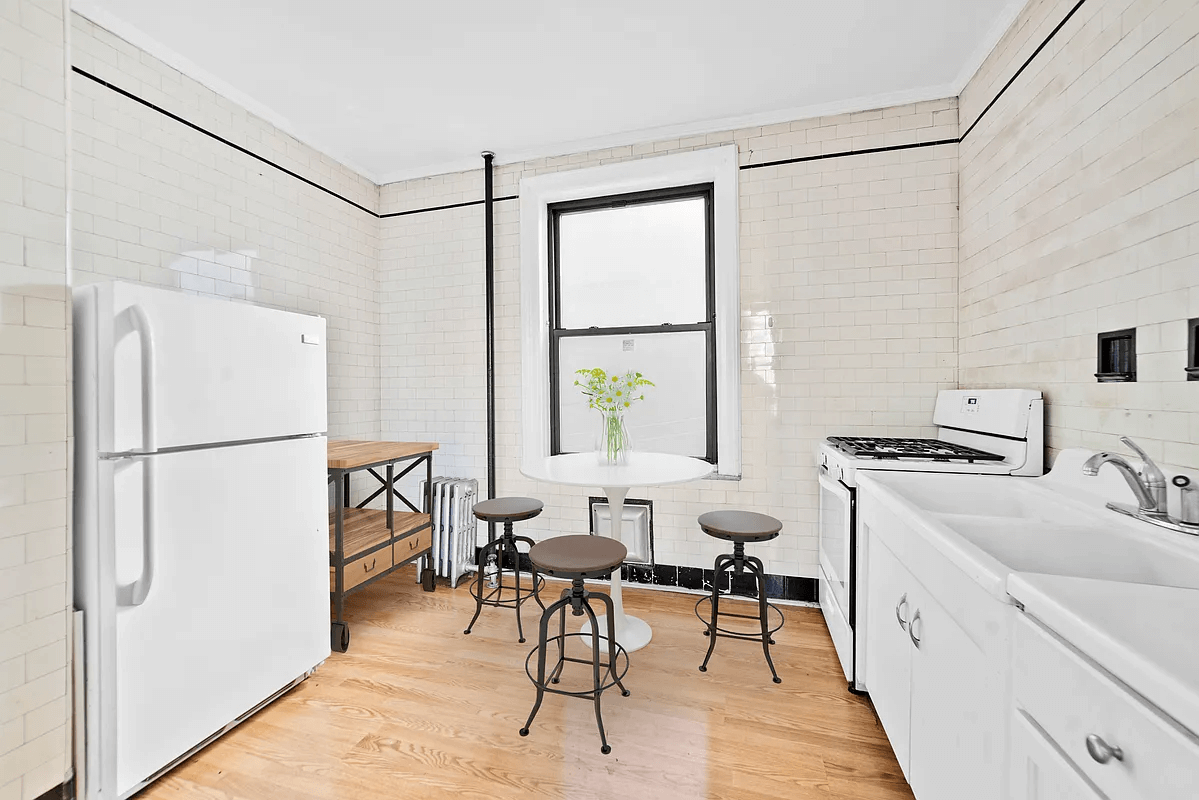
x=633, y=266
x=632, y=287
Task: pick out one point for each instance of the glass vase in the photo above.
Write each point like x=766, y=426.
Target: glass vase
x=612, y=444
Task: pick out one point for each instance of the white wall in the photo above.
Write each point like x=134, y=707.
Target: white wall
x=1080, y=214
x=854, y=259
x=160, y=203
x=34, y=435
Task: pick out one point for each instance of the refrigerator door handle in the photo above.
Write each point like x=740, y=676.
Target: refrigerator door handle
x=134, y=594
x=134, y=319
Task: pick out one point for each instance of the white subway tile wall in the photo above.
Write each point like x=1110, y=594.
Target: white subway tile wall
x=158, y=202
x=848, y=316
x=34, y=443
x=1080, y=214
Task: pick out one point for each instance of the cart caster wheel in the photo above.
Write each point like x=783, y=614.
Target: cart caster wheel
x=703, y=669
x=524, y=731
x=778, y=680
x=605, y=749
x=625, y=693
x=339, y=637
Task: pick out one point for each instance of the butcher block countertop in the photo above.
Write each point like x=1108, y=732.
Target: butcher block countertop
x=356, y=454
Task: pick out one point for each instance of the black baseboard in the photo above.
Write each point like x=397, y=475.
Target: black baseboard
x=63, y=791
x=778, y=587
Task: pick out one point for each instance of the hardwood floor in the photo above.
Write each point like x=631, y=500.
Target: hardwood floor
x=416, y=709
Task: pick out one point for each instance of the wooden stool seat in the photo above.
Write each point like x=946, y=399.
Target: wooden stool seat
x=578, y=556
x=740, y=526
x=508, y=509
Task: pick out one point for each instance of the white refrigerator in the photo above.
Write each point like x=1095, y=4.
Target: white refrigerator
x=201, y=521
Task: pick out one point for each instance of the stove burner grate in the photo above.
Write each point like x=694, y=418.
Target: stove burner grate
x=889, y=448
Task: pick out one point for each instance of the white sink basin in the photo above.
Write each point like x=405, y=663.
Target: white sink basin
x=986, y=496
x=1082, y=549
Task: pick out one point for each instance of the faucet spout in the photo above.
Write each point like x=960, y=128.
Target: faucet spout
x=1145, y=499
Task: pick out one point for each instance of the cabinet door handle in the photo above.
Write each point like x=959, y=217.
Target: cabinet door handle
x=903, y=601
x=1101, y=751
x=371, y=568
x=912, y=629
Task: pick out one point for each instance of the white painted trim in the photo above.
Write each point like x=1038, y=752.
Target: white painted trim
x=681, y=131
x=717, y=165
x=998, y=28
x=93, y=11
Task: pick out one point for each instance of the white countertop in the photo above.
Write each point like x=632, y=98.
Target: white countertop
x=1147, y=636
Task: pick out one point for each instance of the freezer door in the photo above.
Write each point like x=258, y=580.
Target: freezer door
x=197, y=371
x=238, y=604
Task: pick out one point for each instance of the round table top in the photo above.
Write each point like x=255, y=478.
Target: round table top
x=642, y=469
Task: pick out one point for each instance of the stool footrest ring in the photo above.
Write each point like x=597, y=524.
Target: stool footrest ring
x=754, y=635
x=605, y=668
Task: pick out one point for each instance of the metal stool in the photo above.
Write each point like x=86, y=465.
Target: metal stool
x=578, y=557
x=739, y=527
x=506, y=510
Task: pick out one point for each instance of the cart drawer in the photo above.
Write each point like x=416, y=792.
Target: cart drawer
x=411, y=546
x=363, y=569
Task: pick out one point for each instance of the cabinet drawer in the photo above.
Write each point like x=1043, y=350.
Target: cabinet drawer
x=410, y=546
x=1070, y=700
x=363, y=569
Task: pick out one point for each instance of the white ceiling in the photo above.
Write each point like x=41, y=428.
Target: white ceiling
x=397, y=89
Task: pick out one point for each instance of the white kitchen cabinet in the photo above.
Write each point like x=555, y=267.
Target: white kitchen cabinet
x=1127, y=748
x=889, y=670
x=1039, y=770
x=929, y=684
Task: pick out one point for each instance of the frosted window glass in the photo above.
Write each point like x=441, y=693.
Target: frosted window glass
x=644, y=264
x=671, y=419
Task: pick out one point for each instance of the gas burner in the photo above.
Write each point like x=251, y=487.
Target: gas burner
x=928, y=449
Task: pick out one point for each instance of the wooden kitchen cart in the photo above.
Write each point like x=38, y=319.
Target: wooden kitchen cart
x=366, y=544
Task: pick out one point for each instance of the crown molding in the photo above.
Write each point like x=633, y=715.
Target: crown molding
x=1002, y=22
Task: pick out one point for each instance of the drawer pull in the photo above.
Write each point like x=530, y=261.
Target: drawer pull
x=903, y=601
x=371, y=567
x=912, y=629
x=412, y=543
x=1101, y=751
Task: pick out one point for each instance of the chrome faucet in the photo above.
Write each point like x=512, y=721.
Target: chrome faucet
x=1149, y=486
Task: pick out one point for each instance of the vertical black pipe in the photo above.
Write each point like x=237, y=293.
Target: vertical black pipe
x=489, y=254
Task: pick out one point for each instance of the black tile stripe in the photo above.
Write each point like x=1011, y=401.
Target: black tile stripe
x=843, y=153
x=798, y=160
x=443, y=208
x=221, y=139
x=1023, y=66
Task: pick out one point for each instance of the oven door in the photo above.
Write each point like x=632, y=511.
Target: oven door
x=836, y=548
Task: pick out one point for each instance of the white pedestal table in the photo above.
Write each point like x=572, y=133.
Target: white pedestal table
x=642, y=469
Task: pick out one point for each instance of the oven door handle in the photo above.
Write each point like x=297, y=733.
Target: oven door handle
x=836, y=487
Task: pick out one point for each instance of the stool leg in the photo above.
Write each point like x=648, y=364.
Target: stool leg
x=608, y=609
x=487, y=548
x=556, y=675
x=536, y=590
x=541, y=644
x=755, y=566
x=510, y=544
x=719, y=568
x=595, y=665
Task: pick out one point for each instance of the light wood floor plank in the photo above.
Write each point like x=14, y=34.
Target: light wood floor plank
x=418, y=710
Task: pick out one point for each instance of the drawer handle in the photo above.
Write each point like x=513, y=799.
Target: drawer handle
x=412, y=543
x=1101, y=751
x=912, y=629
x=371, y=567
x=903, y=601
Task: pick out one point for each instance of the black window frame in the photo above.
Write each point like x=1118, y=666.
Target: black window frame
x=707, y=192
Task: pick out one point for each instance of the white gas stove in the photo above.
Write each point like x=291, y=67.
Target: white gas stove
x=982, y=432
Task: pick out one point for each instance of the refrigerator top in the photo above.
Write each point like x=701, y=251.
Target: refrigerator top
x=160, y=369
